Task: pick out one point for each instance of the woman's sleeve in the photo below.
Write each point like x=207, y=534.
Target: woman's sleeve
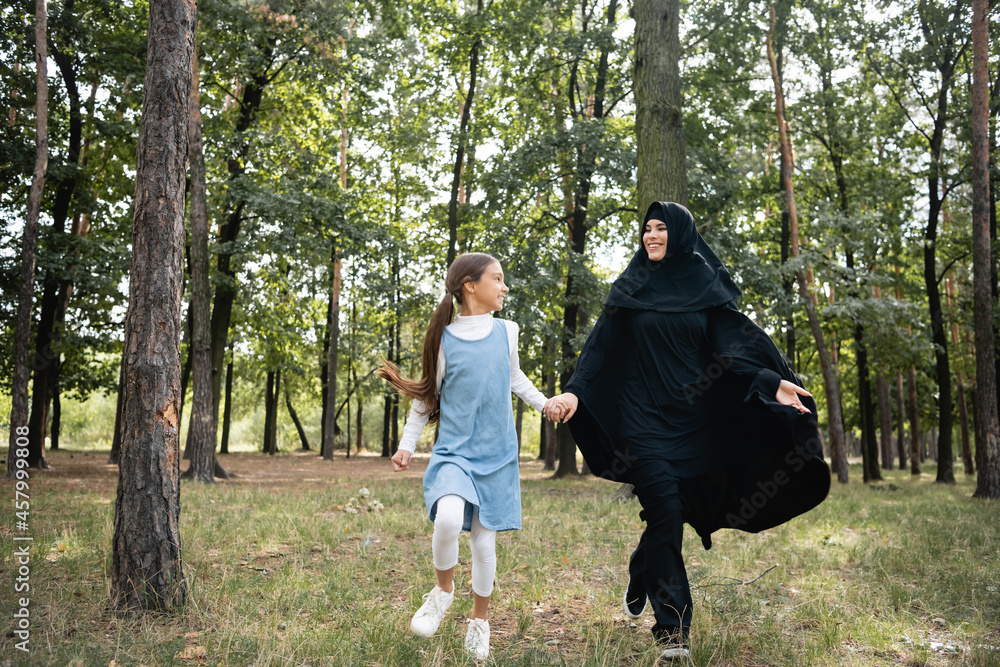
x=741, y=347
x=593, y=353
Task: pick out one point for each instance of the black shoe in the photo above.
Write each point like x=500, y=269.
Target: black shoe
x=634, y=601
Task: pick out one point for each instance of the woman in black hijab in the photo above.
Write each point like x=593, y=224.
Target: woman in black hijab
x=681, y=395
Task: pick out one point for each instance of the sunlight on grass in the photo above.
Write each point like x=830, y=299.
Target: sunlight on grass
x=904, y=572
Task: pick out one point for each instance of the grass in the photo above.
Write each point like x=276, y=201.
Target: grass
x=905, y=572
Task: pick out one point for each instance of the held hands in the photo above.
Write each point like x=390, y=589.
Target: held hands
x=561, y=407
x=788, y=394
x=400, y=461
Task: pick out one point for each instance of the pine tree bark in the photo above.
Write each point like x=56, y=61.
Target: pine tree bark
x=146, y=570
x=19, y=432
x=830, y=380
x=659, y=105
x=987, y=422
x=201, y=428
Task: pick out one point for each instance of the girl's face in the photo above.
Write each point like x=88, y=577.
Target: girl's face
x=654, y=237
x=486, y=294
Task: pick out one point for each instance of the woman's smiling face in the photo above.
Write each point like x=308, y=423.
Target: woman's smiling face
x=654, y=238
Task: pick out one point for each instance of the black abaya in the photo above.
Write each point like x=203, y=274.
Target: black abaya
x=676, y=394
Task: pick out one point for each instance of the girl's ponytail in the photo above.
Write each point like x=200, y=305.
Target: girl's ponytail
x=466, y=268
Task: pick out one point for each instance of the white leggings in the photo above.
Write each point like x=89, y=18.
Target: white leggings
x=444, y=543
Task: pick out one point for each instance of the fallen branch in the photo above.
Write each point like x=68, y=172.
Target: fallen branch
x=737, y=582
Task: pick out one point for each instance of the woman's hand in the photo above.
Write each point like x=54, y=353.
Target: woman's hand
x=562, y=407
x=401, y=461
x=788, y=394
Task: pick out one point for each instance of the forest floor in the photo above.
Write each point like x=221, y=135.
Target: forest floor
x=279, y=572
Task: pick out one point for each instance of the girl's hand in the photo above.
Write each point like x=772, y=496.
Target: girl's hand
x=400, y=461
x=788, y=394
x=562, y=407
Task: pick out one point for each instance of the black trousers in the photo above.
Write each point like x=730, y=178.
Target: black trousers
x=657, y=560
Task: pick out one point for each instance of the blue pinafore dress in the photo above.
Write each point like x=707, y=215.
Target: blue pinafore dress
x=475, y=455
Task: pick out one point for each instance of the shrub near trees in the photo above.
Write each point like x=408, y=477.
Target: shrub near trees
x=377, y=137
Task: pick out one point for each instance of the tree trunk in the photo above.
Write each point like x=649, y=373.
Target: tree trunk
x=295, y=420
x=945, y=472
x=225, y=291
x=270, y=412
x=56, y=418
x=518, y=421
x=987, y=422
x=201, y=428
x=869, y=443
x=659, y=104
x=359, y=425
x=885, y=419
x=228, y=412
x=550, y=427
x=324, y=372
x=186, y=377
x=900, y=421
x=387, y=447
x=830, y=381
x=963, y=422
x=915, y=450
x=146, y=572
x=116, y=438
x=586, y=164
x=463, y=124
x=18, y=444
x=46, y=365
x=329, y=418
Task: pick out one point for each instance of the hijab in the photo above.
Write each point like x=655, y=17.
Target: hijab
x=690, y=277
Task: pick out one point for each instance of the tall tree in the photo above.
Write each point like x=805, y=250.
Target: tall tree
x=945, y=36
x=578, y=222
x=46, y=362
x=659, y=121
x=987, y=426
x=29, y=243
x=146, y=568
x=202, y=427
x=830, y=381
x=462, y=138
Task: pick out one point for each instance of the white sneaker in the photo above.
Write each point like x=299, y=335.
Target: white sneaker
x=477, y=639
x=670, y=654
x=427, y=619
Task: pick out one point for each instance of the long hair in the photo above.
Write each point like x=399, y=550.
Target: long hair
x=466, y=268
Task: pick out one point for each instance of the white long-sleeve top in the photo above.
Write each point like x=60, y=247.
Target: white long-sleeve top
x=472, y=327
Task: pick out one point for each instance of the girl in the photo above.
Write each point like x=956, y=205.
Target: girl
x=471, y=482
